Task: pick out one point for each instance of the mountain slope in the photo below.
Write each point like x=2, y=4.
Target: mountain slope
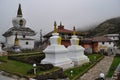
x=110, y=26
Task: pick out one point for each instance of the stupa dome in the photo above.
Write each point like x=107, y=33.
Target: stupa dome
x=19, y=21
x=19, y=26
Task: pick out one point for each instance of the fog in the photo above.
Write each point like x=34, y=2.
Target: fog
x=41, y=14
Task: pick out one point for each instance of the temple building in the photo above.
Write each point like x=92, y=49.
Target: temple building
x=19, y=34
x=97, y=44
x=65, y=34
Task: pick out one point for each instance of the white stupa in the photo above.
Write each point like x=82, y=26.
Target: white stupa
x=25, y=35
x=2, y=52
x=76, y=52
x=56, y=53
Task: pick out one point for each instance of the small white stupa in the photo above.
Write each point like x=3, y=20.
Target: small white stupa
x=56, y=53
x=76, y=52
x=2, y=52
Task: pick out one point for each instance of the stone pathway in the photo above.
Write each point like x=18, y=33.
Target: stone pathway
x=101, y=67
x=8, y=76
x=5, y=78
x=2, y=77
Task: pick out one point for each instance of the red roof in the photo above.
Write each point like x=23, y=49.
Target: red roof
x=64, y=31
x=101, y=39
x=96, y=39
x=60, y=29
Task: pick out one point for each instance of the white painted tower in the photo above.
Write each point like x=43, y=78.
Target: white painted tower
x=76, y=52
x=25, y=35
x=56, y=53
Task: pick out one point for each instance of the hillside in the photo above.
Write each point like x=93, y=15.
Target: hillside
x=110, y=26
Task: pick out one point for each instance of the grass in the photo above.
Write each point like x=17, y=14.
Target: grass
x=19, y=68
x=14, y=67
x=80, y=70
x=113, y=66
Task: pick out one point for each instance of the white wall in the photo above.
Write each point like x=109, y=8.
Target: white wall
x=10, y=41
x=23, y=44
x=114, y=38
x=105, y=46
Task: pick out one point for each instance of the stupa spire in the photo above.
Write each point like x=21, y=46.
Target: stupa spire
x=74, y=31
x=55, y=29
x=19, y=12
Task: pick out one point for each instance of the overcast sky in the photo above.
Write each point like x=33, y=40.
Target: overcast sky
x=41, y=14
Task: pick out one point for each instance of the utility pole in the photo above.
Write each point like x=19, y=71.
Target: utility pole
x=40, y=37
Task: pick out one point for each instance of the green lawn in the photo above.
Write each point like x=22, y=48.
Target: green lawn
x=14, y=67
x=113, y=66
x=19, y=68
x=80, y=70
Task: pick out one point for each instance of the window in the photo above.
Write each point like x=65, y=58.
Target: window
x=23, y=36
x=27, y=43
x=103, y=42
x=21, y=22
x=109, y=42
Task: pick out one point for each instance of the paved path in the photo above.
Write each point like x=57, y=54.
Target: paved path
x=5, y=78
x=8, y=76
x=101, y=67
x=2, y=77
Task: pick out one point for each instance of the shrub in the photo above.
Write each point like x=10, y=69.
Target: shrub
x=52, y=75
x=41, y=77
x=44, y=67
x=41, y=67
x=30, y=58
x=118, y=55
x=31, y=71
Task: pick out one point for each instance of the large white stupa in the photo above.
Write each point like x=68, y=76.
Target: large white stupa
x=56, y=53
x=76, y=51
x=25, y=35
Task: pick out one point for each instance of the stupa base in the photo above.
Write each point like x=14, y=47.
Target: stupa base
x=16, y=49
x=64, y=64
x=76, y=54
x=57, y=55
x=80, y=61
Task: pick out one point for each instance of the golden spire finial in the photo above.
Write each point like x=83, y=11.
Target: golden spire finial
x=74, y=31
x=55, y=29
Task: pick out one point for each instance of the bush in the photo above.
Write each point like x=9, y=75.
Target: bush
x=30, y=71
x=30, y=58
x=117, y=55
x=62, y=76
x=41, y=67
x=52, y=75
x=41, y=77
x=44, y=67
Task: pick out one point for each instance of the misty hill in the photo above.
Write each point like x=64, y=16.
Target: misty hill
x=110, y=26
